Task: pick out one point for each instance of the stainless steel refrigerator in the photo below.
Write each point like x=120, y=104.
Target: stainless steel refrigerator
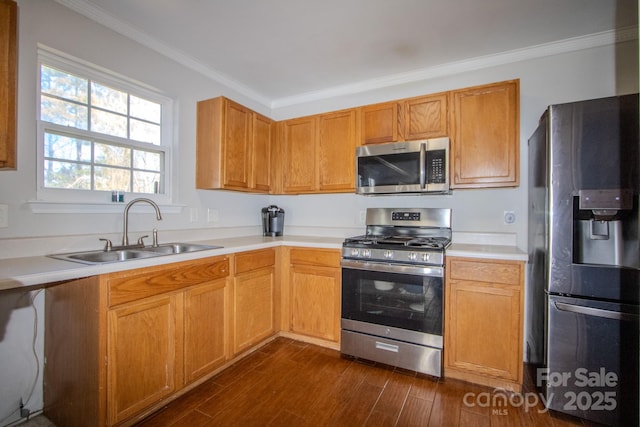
x=584, y=259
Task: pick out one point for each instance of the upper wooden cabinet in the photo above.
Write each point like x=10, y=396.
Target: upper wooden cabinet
x=405, y=120
x=233, y=147
x=318, y=153
x=237, y=148
x=380, y=122
x=336, y=151
x=299, y=155
x=8, y=81
x=485, y=135
x=263, y=145
x=425, y=117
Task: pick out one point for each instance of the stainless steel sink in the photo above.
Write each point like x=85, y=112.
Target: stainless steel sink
x=178, y=248
x=121, y=255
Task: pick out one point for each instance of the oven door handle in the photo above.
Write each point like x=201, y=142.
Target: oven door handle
x=393, y=268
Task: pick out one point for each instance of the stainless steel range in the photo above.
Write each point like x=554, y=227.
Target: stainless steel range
x=392, y=288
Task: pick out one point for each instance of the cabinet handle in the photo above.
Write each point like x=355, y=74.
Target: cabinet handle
x=387, y=347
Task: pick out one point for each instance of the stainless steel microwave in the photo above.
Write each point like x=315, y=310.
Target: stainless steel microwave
x=403, y=167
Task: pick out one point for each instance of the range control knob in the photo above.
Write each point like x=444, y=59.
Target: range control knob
x=413, y=256
x=366, y=253
x=388, y=254
x=425, y=257
x=355, y=252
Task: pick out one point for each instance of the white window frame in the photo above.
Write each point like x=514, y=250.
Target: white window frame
x=67, y=63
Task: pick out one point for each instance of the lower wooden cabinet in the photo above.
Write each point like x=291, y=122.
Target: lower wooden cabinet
x=253, y=298
x=484, y=322
x=205, y=343
x=314, y=292
x=120, y=343
x=143, y=352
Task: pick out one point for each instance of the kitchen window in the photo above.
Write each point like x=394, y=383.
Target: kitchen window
x=99, y=132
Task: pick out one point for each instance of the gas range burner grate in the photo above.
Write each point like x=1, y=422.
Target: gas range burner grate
x=401, y=240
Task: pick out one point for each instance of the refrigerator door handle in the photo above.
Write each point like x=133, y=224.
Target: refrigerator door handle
x=598, y=312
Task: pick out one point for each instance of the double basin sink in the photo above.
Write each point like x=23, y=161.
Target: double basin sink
x=128, y=254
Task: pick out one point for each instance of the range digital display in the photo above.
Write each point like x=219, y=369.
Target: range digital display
x=405, y=216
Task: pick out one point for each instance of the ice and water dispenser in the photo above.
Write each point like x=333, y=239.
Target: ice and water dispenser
x=606, y=228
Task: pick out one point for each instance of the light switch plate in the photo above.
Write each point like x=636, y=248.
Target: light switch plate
x=213, y=215
x=4, y=216
x=193, y=214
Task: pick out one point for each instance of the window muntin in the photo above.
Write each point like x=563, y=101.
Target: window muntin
x=99, y=133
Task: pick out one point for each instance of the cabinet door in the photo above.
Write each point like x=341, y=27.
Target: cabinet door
x=380, y=123
x=8, y=81
x=263, y=132
x=204, y=329
x=237, y=145
x=144, y=347
x=484, y=329
x=299, y=155
x=336, y=151
x=253, y=302
x=315, y=301
x=425, y=117
x=485, y=136
x=484, y=321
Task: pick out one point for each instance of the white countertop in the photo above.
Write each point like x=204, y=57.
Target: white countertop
x=502, y=252
x=36, y=271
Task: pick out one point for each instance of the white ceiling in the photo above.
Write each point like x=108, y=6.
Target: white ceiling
x=279, y=51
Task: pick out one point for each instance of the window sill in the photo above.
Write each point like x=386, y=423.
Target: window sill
x=42, y=207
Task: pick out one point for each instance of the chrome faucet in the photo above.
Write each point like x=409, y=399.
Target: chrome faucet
x=125, y=232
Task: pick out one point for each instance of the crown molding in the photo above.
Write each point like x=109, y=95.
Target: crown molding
x=102, y=17
x=538, y=51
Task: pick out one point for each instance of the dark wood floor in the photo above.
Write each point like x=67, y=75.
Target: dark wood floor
x=289, y=383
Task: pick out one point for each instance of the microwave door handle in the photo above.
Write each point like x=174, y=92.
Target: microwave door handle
x=423, y=167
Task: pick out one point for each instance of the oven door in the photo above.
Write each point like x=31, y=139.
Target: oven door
x=395, y=301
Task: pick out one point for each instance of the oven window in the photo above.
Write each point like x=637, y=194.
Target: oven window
x=403, y=301
x=389, y=169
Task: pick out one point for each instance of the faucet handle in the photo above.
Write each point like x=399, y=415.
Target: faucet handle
x=141, y=240
x=108, y=246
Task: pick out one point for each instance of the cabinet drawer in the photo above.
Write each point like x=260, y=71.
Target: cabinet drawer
x=319, y=257
x=505, y=272
x=254, y=260
x=132, y=285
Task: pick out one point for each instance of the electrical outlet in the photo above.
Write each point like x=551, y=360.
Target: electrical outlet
x=4, y=216
x=213, y=215
x=509, y=217
x=363, y=217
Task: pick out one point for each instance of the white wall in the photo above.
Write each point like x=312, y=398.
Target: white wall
x=590, y=73
x=46, y=22
x=586, y=74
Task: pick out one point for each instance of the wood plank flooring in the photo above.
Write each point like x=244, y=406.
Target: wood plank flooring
x=290, y=383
